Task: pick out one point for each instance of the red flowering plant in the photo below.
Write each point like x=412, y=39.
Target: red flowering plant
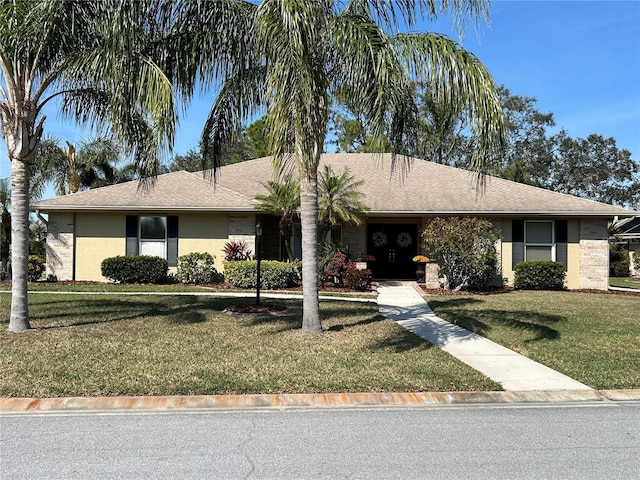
x=333, y=264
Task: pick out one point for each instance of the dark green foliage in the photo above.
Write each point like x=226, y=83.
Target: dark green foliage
x=36, y=267
x=465, y=250
x=135, y=269
x=539, y=275
x=273, y=274
x=333, y=263
x=636, y=260
x=197, y=267
x=355, y=279
x=618, y=261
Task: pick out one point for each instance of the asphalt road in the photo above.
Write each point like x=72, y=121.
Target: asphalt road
x=489, y=442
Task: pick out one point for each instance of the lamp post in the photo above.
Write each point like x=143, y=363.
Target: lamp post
x=258, y=258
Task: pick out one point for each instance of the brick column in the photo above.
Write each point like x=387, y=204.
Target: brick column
x=594, y=254
x=60, y=246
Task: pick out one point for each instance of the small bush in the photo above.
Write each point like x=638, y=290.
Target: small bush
x=636, y=260
x=273, y=274
x=618, y=261
x=539, y=275
x=36, y=267
x=197, y=268
x=135, y=269
x=236, y=252
x=357, y=279
x=333, y=263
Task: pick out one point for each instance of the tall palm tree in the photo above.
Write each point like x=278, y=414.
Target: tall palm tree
x=291, y=57
x=282, y=199
x=339, y=200
x=97, y=59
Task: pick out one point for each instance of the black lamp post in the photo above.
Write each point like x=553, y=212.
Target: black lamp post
x=258, y=258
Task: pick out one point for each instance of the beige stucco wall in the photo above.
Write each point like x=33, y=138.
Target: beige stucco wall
x=98, y=236
x=204, y=233
x=572, y=279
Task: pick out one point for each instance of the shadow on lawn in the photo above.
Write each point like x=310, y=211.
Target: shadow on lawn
x=64, y=313
x=480, y=321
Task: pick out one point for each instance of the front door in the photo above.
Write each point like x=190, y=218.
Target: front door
x=393, y=246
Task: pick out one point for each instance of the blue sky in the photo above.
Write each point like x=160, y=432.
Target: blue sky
x=580, y=59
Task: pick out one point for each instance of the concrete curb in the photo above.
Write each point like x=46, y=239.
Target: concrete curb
x=316, y=400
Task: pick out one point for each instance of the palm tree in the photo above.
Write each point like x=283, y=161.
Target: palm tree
x=282, y=199
x=88, y=165
x=339, y=200
x=97, y=60
x=292, y=57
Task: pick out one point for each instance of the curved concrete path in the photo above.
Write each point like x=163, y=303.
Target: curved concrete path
x=513, y=371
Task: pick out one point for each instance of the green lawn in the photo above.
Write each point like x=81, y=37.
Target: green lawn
x=626, y=282
x=594, y=338
x=142, y=345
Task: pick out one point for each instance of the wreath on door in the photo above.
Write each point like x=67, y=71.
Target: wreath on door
x=379, y=239
x=404, y=239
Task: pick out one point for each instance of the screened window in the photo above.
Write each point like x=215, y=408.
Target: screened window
x=539, y=242
x=153, y=236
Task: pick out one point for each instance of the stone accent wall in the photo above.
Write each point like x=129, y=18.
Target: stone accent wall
x=242, y=228
x=594, y=254
x=432, y=275
x=60, y=246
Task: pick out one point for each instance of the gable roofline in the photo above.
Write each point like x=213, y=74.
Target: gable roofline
x=424, y=188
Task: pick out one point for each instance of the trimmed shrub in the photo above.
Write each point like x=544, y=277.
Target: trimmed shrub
x=135, y=269
x=357, y=279
x=197, y=267
x=636, y=261
x=618, y=261
x=539, y=275
x=35, y=268
x=273, y=274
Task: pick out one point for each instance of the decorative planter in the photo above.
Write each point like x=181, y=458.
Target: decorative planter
x=420, y=273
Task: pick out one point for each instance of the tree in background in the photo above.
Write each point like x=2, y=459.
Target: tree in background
x=91, y=164
x=5, y=225
x=98, y=60
x=293, y=57
x=339, y=200
x=283, y=200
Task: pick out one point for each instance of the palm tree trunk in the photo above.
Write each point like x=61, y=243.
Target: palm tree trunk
x=19, y=320
x=309, y=224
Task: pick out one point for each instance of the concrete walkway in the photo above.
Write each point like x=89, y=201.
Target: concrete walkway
x=513, y=371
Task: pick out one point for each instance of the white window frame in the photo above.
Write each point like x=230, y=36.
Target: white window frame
x=538, y=244
x=142, y=240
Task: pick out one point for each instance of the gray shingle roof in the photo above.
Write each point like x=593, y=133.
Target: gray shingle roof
x=425, y=188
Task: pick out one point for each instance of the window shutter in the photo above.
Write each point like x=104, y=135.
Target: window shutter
x=561, y=242
x=172, y=240
x=131, y=247
x=517, y=242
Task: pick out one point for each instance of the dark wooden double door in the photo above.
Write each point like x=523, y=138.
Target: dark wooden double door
x=393, y=246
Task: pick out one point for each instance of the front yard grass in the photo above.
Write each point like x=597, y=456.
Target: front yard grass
x=625, y=282
x=173, y=345
x=594, y=338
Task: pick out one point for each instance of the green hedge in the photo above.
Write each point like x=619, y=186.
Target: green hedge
x=135, y=269
x=539, y=275
x=273, y=274
x=197, y=268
